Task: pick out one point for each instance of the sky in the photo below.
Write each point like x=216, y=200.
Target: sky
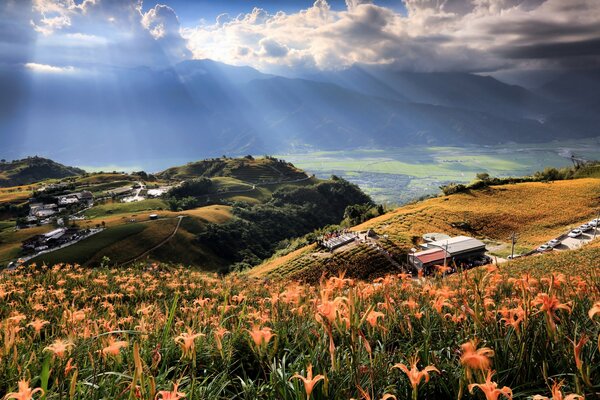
x=285, y=36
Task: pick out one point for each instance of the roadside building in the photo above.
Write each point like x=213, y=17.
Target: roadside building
x=461, y=250
x=425, y=260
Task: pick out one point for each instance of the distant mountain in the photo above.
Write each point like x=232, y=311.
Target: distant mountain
x=204, y=108
x=33, y=169
x=449, y=89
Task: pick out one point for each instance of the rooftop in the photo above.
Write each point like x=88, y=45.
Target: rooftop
x=458, y=245
x=431, y=255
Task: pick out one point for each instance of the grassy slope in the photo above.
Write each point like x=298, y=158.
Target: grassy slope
x=536, y=211
x=33, y=169
x=123, y=241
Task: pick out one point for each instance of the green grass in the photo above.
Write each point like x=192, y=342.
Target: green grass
x=123, y=208
x=6, y=225
x=83, y=251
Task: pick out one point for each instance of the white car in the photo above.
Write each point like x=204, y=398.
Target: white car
x=585, y=228
x=544, y=248
x=594, y=223
x=575, y=233
x=554, y=243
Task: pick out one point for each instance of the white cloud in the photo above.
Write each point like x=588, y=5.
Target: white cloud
x=435, y=35
x=51, y=69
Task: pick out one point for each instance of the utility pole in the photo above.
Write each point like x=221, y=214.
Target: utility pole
x=596, y=227
x=445, y=254
x=513, y=239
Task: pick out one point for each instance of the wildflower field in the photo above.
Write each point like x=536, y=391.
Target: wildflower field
x=162, y=332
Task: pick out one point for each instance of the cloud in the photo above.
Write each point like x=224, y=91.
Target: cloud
x=122, y=33
x=51, y=69
x=433, y=35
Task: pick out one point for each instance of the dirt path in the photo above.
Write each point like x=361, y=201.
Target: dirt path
x=162, y=243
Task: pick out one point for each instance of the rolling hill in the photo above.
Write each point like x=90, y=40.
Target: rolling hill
x=33, y=169
x=238, y=212
x=536, y=211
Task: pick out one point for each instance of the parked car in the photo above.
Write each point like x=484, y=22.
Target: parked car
x=514, y=257
x=544, y=248
x=585, y=228
x=575, y=233
x=594, y=223
x=554, y=243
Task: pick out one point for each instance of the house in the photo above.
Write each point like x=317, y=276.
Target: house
x=68, y=199
x=39, y=210
x=460, y=248
x=427, y=259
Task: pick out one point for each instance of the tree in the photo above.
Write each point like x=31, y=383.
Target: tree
x=483, y=176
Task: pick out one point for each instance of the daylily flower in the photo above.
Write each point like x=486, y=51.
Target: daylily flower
x=309, y=380
x=25, y=392
x=490, y=389
x=474, y=358
x=170, y=395
x=38, y=325
x=549, y=305
x=373, y=316
x=414, y=375
x=557, y=394
x=60, y=348
x=114, y=348
x=186, y=342
x=261, y=336
x=594, y=310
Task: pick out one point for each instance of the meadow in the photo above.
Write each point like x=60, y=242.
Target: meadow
x=399, y=175
x=163, y=332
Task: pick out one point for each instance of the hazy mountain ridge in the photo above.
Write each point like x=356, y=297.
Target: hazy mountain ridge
x=204, y=108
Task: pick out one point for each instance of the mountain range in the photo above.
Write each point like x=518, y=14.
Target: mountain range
x=203, y=108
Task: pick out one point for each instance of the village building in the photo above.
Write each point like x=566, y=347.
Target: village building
x=459, y=250
x=427, y=259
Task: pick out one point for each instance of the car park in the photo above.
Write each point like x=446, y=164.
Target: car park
x=554, y=243
x=575, y=233
x=544, y=248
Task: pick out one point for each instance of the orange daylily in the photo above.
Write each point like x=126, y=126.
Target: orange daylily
x=594, y=310
x=261, y=336
x=550, y=305
x=186, y=342
x=38, y=325
x=577, y=347
x=372, y=317
x=414, y=375
x=490, y=389
x=474, y=358
x=114, y=347
x=170, y=395
x=557, y=394
x=25, y=392
x=309, y=380
x=60, y=348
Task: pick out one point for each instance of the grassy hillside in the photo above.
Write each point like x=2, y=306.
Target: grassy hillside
x=252, y=170
x=33, y=169
x=536, y=211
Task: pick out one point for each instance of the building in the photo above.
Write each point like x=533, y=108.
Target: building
x=425, y=260
x=459, y=248
x=76, y=198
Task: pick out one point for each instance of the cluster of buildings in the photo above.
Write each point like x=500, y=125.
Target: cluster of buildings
x=42, y=212
x=55, y=238
x=444, y=250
